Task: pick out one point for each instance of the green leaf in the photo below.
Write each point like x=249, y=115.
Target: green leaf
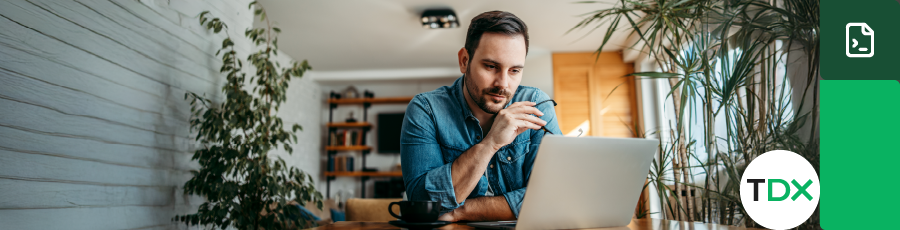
x=202, y=14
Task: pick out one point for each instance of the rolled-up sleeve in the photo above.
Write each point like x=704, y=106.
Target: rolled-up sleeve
x=425, y=174
x=515, y=197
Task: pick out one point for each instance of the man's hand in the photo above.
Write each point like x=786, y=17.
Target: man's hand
x=449, y=217
x=512, y=121
x=468, y=168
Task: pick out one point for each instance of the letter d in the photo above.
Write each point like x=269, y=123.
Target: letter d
x=787, y=190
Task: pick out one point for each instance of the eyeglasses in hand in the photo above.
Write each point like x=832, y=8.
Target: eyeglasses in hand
x=539, y=103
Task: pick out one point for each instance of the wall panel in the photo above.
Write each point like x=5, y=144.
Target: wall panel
x=94, y=130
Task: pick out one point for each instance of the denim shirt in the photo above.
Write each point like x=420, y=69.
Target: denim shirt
x=439, y=126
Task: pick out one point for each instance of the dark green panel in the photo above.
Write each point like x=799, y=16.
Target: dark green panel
x=882, y=16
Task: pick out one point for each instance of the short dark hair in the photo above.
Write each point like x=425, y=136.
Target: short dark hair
x=494, y=22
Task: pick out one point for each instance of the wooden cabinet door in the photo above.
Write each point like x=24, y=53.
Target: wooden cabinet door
x=572, y=96
x=594, y=94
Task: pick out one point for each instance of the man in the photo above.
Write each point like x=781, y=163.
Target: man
x=471, y=145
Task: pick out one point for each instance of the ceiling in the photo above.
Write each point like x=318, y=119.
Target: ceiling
x=353, y=35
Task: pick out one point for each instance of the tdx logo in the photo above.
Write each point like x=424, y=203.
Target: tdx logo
x=801, y=189
x=779, y=189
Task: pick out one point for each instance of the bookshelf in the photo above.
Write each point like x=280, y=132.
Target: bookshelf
x=348, y=148
x=371, y=100
x=363, y=126
x=350, y=125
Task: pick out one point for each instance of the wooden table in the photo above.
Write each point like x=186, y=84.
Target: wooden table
x=636, y=224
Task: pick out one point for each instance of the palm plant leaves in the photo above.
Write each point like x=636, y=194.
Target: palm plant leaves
x=721, y=60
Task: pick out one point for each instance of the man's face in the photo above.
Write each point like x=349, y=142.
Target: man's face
x=494, y=72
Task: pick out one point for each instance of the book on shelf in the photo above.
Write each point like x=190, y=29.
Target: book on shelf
x=351, y=138
x=338, y=163
x=345, y=138
x=341, y=164
x=333, y=138
x=350, y=164
x=354, y=137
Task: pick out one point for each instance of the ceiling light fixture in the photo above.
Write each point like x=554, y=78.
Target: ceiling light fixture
x=439, y=18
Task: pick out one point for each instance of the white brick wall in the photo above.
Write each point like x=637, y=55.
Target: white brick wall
x=94, y=130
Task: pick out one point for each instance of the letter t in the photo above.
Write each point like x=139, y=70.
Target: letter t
x=756, y=187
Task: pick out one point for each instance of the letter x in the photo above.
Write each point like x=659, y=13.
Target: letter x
x=801, y=190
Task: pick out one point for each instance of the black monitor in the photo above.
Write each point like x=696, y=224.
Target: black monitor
x=388, y=127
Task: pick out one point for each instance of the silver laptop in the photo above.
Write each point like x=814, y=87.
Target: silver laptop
x=583, y=182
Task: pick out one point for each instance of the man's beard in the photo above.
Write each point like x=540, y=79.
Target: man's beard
x=481, y=99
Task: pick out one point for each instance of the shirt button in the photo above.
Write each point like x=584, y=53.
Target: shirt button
x=492, y=165
x=477, y=137
x=509, y=158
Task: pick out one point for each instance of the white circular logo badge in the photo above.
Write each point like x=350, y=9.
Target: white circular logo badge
x=780, y=189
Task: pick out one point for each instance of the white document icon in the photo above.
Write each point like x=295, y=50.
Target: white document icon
x=860, y=40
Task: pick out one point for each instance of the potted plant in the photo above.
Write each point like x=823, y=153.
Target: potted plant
x=245, y=187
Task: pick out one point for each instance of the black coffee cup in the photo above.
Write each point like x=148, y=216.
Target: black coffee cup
x=417, y=211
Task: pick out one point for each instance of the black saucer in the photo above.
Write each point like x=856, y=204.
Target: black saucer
x=418, y=225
